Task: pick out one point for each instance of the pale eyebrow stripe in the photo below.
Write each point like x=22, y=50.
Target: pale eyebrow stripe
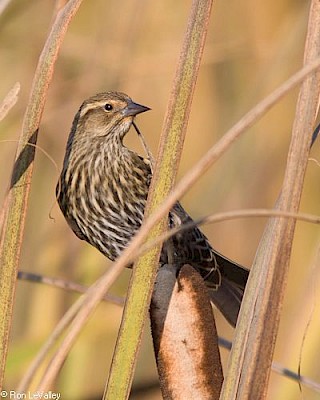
x=92, y=106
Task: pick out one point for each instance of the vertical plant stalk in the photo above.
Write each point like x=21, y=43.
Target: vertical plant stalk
x=12, y=233
x=185, y=336
x=169, y=154
x=251, y=357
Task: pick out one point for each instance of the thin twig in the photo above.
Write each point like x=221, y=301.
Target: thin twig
x=281, y=370
x=65, y=285
x=145, y=146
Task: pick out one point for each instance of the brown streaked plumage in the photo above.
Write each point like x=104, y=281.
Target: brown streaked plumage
x=103, y=190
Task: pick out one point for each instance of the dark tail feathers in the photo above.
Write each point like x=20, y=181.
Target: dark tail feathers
x=228, y=297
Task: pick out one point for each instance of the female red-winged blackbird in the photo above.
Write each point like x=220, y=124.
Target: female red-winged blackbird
x=103, y=190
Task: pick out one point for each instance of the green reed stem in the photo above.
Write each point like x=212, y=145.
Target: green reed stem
x=169, y=154
x=17, y=199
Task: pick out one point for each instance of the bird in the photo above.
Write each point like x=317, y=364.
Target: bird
x=102, y=192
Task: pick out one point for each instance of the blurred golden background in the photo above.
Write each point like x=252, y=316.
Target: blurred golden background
x=133, y=46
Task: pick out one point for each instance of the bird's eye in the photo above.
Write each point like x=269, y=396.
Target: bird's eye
x=108, y=107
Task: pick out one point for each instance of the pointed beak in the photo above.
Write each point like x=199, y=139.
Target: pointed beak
x=133, y=109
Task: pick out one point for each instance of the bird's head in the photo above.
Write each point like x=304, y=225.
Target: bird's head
x=108, y=113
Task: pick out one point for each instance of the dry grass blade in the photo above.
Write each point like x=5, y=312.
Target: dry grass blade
x=251, y=356
x=216, y=151
x=9, y=101
x=11, y=235
x=230, y=215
